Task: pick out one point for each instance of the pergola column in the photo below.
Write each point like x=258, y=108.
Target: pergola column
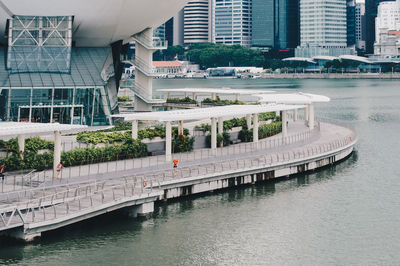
x=57, y=151
x=306, y=115
x=284, y=125
x=221, y=128
x=213, y=133
x=213, y=96
x=295, y=115
x=311, y=120
x=168, y=141
x=21, y=144
x=237, y=96
x=255, y=128
x=180, y=127
x=248, y=121
x=134, y=129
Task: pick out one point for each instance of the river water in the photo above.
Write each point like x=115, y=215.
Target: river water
x=348, y=214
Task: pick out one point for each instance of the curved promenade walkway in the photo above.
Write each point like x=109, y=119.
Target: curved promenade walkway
x=27, y=211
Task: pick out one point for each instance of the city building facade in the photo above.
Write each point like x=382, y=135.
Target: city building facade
x=231, y=22
x=371, y=11
x=360, y=26
x=387, y=29
x=275, y=24
x=197, y=21
x=323, y=28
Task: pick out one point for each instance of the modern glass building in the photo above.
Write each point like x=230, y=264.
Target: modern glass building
x=61, y=61
x=323, y=28
x=275, y=23
x=44, y=79
x=232, y=22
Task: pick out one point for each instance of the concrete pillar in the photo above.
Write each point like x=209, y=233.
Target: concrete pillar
x=248, y=121
x=237, y=97
x=295, y=115
x=284, y=125
x=193, y=95
x=221, y=128
x=168, y=141
x=21, y=144
x=57, y=151
x=214, y=96
x=311, y=120
x=220, y=125
x=213, y=133
x=306, y=115
x=142, y=210
x=278, y=113
x=180, y=127
x=168, y=95
x=134, y=129
x=255, y=128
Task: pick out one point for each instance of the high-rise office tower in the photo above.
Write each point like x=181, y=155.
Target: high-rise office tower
x=159, y=33
x=371, y=9
x=351, y=22
x=231, y=22
x=387, y=29
x=360, y=26
x=323, y=28
x=197, y=22
x=275, y=23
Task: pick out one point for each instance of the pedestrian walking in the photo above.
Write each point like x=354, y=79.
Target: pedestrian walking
x=175, y=163
x=2, y=169
x=58, y=169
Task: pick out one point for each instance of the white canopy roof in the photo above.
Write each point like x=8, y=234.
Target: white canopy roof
x=295, y=98
x=206, y=113
x=14, y=128
x=216, y=90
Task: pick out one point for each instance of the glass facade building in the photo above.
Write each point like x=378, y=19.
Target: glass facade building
x=44, y=79
x=275, y=23
x=232, y=22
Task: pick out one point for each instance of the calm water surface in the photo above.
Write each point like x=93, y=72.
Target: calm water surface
x=344, y=215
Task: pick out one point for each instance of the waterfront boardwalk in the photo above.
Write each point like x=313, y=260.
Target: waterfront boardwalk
x=27, y=210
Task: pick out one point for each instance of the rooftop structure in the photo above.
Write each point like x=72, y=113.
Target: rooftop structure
x=215, y=114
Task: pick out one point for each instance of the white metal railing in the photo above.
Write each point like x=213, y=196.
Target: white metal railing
x=153, y=43
x=144, y=67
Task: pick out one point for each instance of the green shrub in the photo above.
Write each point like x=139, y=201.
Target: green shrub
x=264, y=131
x=124, y=99
x=225, y=139
x=180, y=100
x=218, y=101
x=131, y=149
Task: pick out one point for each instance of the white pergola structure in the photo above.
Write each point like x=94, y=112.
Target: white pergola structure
x=19, y=129
x=216, y=114
x=214, y=92
x=306, y=99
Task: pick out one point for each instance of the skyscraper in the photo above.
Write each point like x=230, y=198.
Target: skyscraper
x=275, y=23
x=323, y=28
x=371, y=9
x=387, y=29
x=197, y=24
x=351, y=23
x=360, y=26
x=232, y=22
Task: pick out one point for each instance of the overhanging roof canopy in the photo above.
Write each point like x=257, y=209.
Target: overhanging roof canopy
x=206, y=113
x=8, y=129
x=216, y=90
x=295, y=98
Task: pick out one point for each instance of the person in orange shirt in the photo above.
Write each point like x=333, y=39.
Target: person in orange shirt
x=175, y=163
